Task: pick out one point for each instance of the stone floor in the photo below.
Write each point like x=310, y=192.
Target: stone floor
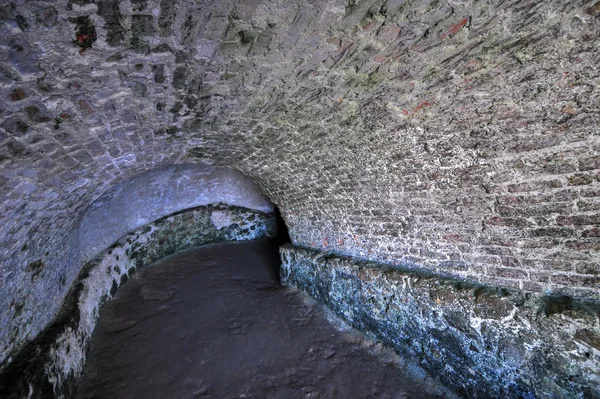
x=213, y=322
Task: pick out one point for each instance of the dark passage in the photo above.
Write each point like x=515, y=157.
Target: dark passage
x=213, y=322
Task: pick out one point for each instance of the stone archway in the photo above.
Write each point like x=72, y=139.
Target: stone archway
x=135, y=223
x=159, y=192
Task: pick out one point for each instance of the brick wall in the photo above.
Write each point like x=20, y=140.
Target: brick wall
x=456, y=136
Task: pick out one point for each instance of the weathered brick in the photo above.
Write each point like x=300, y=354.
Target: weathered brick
x=584, y=244
x=534, y=186
x=539, y=277
x=497, y=250
x=589, y=163
x=585, y=206
x=17, y=94
x=534, y=210
x=595, y=192
x=548, y=264
x=532, y=286
x=535, y=143
x=595, y=232
x=37, y=113
x=558, y=196
x=576, y=280
x=142, y=25
x=552, y=232
x=509, y=222
x=478, y=259
x=587, y=268
x=581, y=179
x=85, y=107
x=510, y=261
x=502, y=281
x=578, y=220
x=508, y=272
x=109, y=10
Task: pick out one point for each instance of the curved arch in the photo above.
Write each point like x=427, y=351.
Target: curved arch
x=133, y=224
x=160, y=192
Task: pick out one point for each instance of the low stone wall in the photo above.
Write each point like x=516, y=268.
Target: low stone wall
x=482, y=342
x=51, y=366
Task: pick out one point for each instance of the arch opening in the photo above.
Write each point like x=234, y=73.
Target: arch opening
x=159, y=192
x=134, y=224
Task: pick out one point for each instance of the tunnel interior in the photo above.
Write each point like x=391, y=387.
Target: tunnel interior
x=436, y=163
x=133, y=224
x=214, y=322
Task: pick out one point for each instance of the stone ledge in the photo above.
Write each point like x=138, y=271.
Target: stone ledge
x=50, y=366
x=480, y=341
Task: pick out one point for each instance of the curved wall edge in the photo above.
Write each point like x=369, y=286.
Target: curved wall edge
x=52, y=364
x=159, y=192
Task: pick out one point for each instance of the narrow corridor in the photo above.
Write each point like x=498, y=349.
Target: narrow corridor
x=213, y=322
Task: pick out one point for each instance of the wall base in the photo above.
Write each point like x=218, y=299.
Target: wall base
x=480, y=341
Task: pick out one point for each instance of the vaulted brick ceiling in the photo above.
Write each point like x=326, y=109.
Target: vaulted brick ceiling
x=458, y=136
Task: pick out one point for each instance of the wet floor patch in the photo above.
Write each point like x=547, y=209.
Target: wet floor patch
x=213, y=322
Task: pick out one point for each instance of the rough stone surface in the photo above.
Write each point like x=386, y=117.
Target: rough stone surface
x=52, y=364
x=214, y=322
x=125, y=207
x=483, y=342
x=460, y=136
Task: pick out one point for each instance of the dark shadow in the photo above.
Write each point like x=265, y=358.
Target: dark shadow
x=283, y=236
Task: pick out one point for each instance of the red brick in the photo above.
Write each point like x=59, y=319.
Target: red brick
x=579, y=220
x=455, y=28
x=576, y=280
x=508, y=272
x=17, y=95
x=533, y=186
x=85, y=108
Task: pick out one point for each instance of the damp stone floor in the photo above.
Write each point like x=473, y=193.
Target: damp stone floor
x=213, y=322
